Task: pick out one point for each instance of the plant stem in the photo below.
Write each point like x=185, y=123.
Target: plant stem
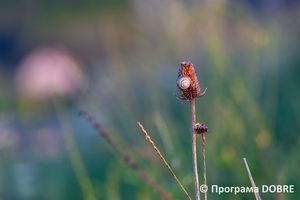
x=156, y=149
x=194, y=150
x=126, y=158
x=76, y=159
x=204, y=167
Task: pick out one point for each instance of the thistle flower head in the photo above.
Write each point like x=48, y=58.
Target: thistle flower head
x=187, y=82
x=200, y=128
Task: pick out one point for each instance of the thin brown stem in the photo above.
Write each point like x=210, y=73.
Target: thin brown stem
x=204, y=167
x=194, y=149
x=156, y=149
x=126, y=158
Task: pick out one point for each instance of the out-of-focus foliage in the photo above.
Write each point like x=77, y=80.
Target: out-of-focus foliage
x=119, y=60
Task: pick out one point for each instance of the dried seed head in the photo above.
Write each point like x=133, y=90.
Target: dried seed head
x=187, y=75
x=200, y=128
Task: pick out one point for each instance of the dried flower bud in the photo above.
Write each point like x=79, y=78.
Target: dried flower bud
x=200, y=128
x=187, y=82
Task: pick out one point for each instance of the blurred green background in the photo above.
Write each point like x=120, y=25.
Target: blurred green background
x=119, y=61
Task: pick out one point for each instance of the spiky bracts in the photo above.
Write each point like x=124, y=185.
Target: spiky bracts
x=187, y=73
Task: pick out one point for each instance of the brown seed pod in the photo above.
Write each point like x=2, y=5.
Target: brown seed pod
x=186, y=73
x=200, y=128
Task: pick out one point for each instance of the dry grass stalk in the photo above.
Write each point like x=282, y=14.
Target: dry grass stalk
x=158, y=152
x=134, y=166
x=252, y=181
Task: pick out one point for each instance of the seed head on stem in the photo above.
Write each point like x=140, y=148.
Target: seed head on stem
x=188, y=85
x=187, y=82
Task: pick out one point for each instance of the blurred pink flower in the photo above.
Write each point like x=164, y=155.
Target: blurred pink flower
x=48, y=71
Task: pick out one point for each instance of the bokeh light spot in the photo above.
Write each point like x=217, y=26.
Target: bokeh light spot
x=263, y=139
x=261, y=37
x=228, y=154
